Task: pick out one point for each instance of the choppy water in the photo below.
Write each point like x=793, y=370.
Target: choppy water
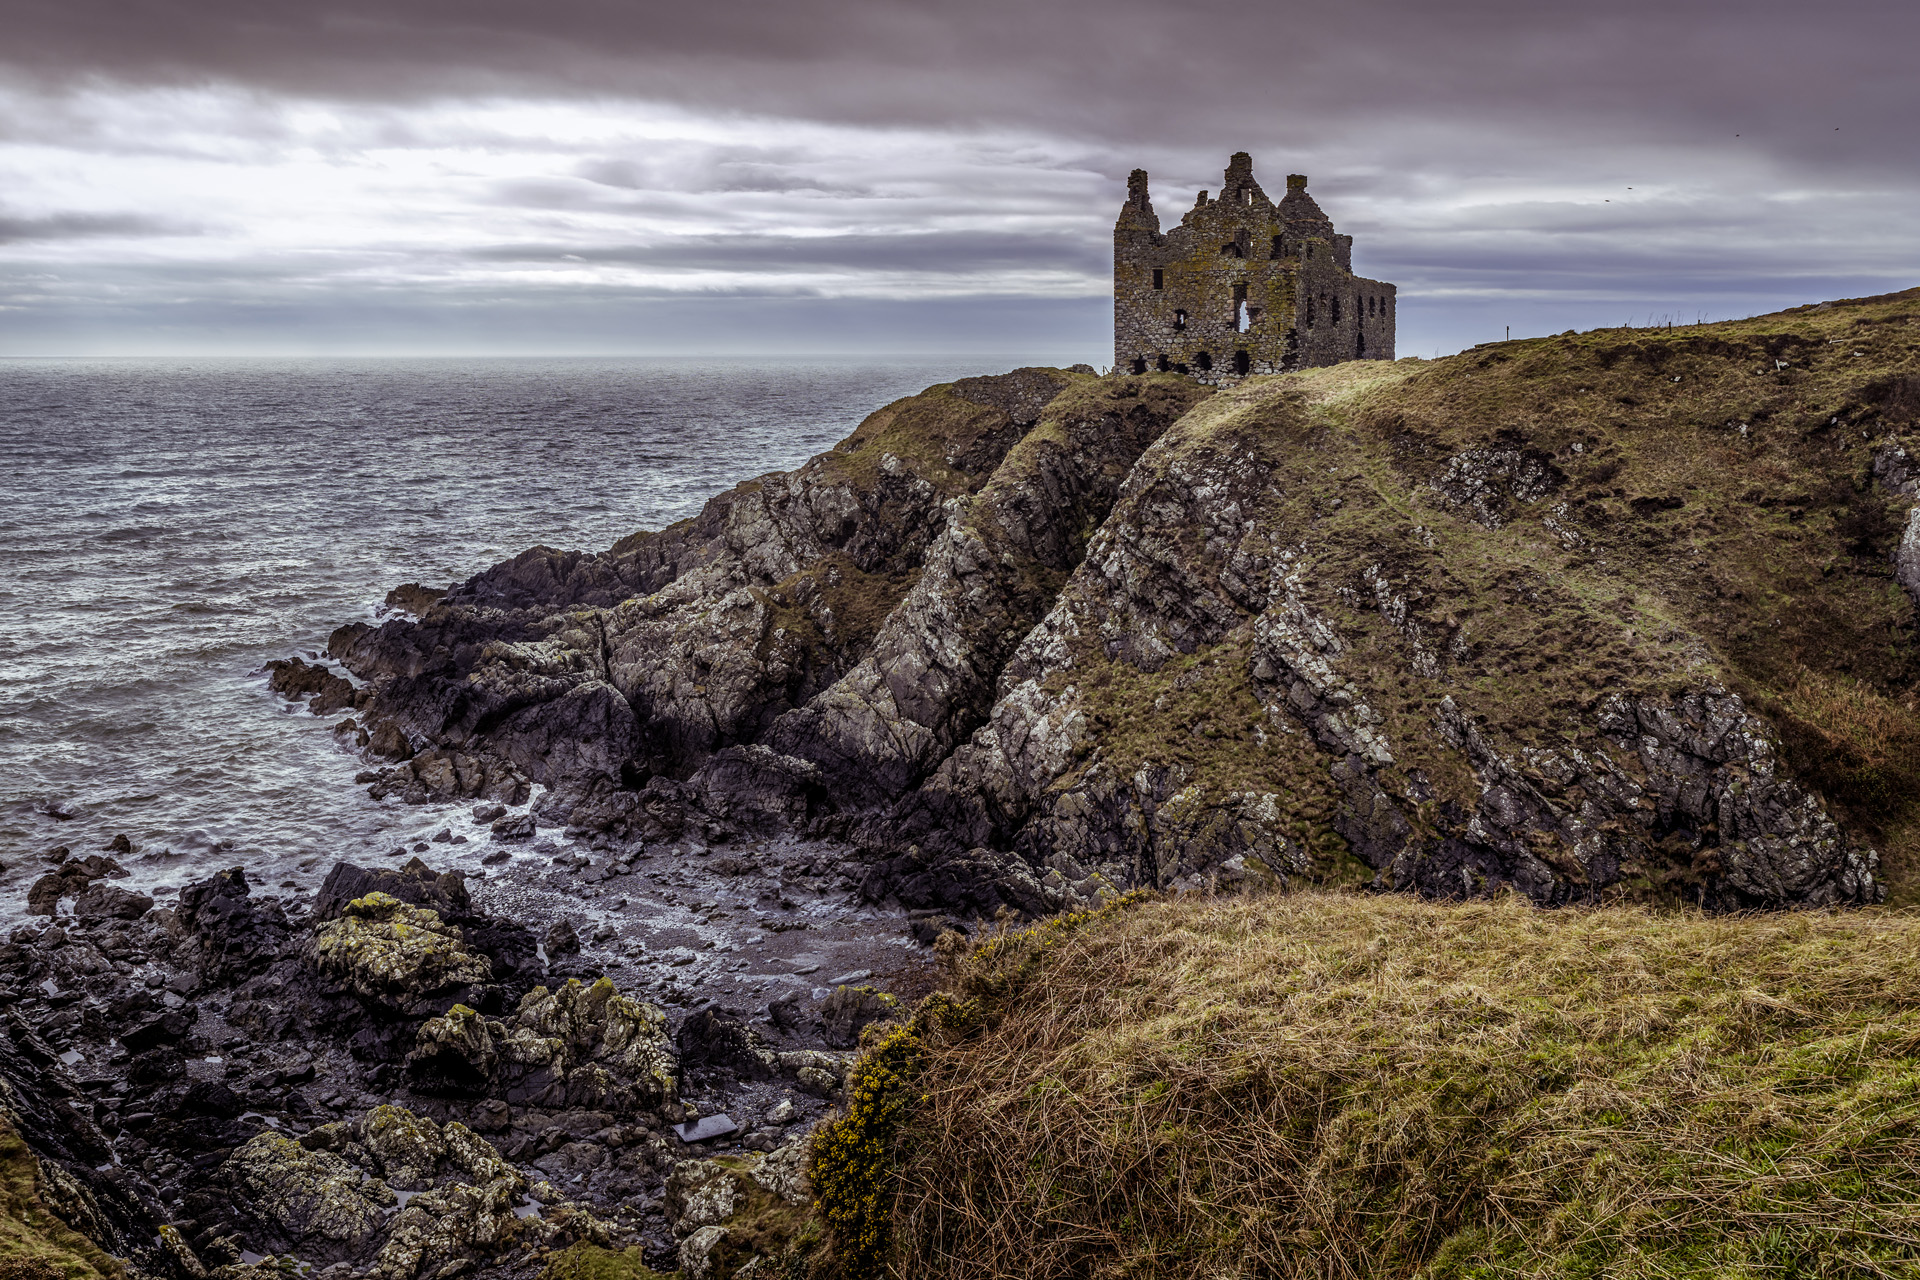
x=166, y=526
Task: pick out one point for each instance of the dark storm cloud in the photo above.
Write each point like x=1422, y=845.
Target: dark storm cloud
x=1207, y=75
x=460, y=164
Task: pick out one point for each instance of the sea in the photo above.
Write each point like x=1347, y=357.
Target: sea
x=169, y=525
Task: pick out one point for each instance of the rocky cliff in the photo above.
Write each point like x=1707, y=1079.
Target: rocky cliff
x=1624, y=613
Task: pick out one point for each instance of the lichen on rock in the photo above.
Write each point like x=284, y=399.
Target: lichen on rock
x=383, y=948
x=577, y=1045
x=736, y=1212
x=390, y=1191
x=307, y=1197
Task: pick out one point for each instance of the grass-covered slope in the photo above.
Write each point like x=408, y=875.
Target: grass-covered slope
x=1608, y=614
x=1338, y=1085
x=35, y=1244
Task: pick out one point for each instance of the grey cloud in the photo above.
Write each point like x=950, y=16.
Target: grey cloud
x=1012, y=329
x=947, y=252
x=76, y=226
x=714, y=173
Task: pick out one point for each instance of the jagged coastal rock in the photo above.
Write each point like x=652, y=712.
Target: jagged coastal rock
x=377, y=1081
x=1569, y=615
x=1626, y=615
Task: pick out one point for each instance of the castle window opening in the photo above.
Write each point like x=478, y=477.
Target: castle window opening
x=1159, y=278
x=1163, y=364
x=1371, y=300
x=1232, y=249
x=1336, y=309
x=1278, y=249
x=1205, y=361
x=1139, y=364
x=1242, y=362
x=1179, y=320
x=1309, y=311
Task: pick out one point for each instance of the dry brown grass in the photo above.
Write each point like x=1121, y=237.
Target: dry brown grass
x=1857, y=717
x=1338, y=1085
x=1861, y=749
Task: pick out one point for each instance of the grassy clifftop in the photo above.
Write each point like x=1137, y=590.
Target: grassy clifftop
x=1712, y=507
x=1601, y=615
x=1340, y=1085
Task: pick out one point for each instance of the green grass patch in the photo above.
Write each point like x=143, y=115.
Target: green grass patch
x=34, y=1244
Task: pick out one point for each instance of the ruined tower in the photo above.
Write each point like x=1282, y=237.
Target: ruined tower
x=1241, y=286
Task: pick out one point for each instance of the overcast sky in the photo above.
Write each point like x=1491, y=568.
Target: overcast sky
x=613, y=176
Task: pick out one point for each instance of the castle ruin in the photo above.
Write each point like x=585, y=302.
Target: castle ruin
x=1241, y=286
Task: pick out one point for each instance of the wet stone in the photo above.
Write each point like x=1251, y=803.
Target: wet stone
x=706, y=1129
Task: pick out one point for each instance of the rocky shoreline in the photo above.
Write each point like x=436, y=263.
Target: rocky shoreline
x=394, y=1078
x=1019, y=643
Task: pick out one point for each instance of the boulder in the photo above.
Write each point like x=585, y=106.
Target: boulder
x=234, y=934
x=384, y=949
x=731, y=1210
x=697, y=1261
x=332, y=1195
x=574, y=1046
x=111, y=902
x=511, y=947
x=169, y=1028
x=70, y=878
x=313, y=1200
x=414, y=598
x=850, y=1010
x=416, y=884
x=515, y=826
x=438, y=776
x=714, y=1042
x=296, y=678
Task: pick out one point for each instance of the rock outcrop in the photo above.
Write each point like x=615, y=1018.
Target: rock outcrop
x=580, y=1045
x=737, y=1212
x=392, y=1193
x=1515, y=619
x=72, y=1207
x=232, y=1076
x=384, y=949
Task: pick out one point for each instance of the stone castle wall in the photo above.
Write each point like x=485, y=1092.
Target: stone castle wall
x=1243, y=285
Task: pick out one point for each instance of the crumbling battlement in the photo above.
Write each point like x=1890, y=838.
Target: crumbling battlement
x=1241, y=286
